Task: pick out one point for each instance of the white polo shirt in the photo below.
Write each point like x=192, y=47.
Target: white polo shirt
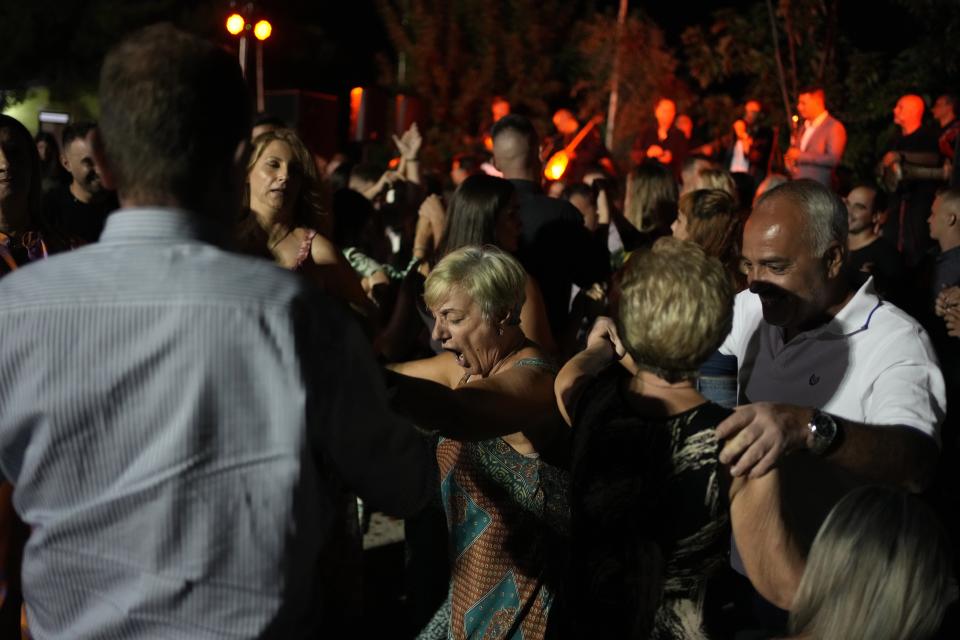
x=872, y=363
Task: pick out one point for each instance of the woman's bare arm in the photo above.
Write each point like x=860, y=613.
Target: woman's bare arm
x=517, y=400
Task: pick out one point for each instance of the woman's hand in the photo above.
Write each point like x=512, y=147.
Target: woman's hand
x=603, y=336
x=409, y=143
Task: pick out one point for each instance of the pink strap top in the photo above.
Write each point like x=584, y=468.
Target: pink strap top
x=304, y=253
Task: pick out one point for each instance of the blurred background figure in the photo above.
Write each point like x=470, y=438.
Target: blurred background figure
x=664, y=142
x=879, y=569
x=52, y=171
x=80, y=209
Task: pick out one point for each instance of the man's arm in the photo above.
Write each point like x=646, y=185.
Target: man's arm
x=758, y=434
x=771, y=555
x=833, y=151
x=378, y=455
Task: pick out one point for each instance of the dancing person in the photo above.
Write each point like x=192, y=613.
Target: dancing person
x=708, y=218
x=490, y=395
x=283, y=196
x=649, y=497
x=175, y=417
x=555, y=248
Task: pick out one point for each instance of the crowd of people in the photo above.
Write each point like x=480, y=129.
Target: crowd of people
x=703, y=397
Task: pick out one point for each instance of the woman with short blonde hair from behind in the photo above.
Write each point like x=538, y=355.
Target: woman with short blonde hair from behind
x=648, y=501
x=675, y=309
x=879, y=569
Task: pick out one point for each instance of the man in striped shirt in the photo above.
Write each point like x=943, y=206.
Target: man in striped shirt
x=177, y=420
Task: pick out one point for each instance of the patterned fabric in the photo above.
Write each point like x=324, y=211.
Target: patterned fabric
x=505, y=512
x=364, y=265
x=649, y=523
x=304, y=253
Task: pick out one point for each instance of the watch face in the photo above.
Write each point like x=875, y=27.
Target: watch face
x=825, y=425
x=824, y=431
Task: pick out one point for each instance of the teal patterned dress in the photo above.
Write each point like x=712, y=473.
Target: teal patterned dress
x=506, y=514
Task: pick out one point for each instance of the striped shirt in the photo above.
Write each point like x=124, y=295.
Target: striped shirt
x=173, y=418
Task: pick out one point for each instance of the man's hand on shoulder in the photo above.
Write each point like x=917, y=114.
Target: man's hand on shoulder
x=757, y=435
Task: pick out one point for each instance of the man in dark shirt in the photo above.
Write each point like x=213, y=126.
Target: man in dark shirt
x=79, y=210
x=944, y=224
x=869, y=252
x=664, y=142
x=914, y=145
x=555, y=247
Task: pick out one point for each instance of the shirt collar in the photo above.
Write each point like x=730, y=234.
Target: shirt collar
x=949, y=255
x=816, y=122
x=855, y=315
x=156, y=223
x=525, y=186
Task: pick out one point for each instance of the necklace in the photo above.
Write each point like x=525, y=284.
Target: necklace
x=500, y=362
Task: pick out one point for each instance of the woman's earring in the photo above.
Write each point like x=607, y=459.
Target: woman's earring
x=499, y=329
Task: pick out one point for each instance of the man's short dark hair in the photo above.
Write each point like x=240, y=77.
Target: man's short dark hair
x=77, y=131
x=879, y=196
x=174, y=109
x=812, y=89
x=519, y=124
x=268, y=119
x=951, y=98
x=367, y=171
x=467, y=162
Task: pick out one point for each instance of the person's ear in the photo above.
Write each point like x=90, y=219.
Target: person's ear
x=511, y=318
x=100, y=160
x=834, y=258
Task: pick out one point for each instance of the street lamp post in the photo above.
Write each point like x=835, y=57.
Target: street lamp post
x=239, y=25
x=261, y=31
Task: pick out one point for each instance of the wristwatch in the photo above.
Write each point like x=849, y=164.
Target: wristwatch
x=824, y=429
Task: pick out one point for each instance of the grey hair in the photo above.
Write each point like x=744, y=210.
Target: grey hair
x=826, y=213
x=493, y=278
x=879, y=569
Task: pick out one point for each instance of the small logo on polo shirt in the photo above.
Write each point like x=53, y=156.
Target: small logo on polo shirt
x=814, y=379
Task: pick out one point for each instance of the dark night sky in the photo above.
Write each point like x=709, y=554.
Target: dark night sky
x=351, y=35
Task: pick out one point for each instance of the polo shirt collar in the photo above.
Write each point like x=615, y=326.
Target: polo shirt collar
x=854, y=316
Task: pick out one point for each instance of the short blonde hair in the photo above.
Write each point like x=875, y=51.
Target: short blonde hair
x=676, y=308
x=879, y=568
x=491, y=277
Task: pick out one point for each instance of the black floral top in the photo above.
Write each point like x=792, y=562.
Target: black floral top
x=649, y=517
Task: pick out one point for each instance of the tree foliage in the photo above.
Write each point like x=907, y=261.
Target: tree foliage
x=458, y=54
x=648, y=71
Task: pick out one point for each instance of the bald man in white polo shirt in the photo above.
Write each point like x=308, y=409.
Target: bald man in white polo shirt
x=823, y=367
